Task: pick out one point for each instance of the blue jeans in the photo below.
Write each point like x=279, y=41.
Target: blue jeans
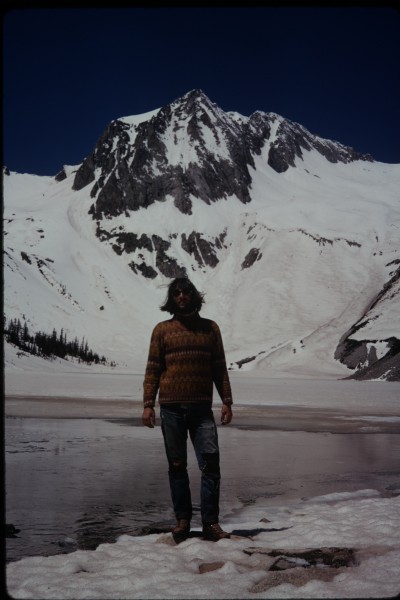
x=177, y=420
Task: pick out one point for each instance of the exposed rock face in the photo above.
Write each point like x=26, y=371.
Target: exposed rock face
x=61, y=175
x=201, y=249
x=188, y=150
x=292, y=139
x=135, y=169
x=362, y=354
x=204, y=251
x=146, y=270
x=129, y=242
x=253, y=255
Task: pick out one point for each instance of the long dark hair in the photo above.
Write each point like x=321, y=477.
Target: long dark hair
x=182, y=283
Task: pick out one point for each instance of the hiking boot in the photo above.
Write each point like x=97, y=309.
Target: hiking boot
x=213, y=533
x=181, y=530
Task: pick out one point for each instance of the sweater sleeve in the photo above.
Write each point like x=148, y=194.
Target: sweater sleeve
x=154, y=368
x=220, y=371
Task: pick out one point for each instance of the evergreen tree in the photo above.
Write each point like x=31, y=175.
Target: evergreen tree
x=46, y=345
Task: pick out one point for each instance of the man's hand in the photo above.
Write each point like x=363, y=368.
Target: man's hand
x=226, y=414
x=149, y=417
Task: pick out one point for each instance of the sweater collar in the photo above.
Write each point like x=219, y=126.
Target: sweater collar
x=187, y=318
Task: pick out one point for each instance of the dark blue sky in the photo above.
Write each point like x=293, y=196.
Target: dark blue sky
x=67, y=72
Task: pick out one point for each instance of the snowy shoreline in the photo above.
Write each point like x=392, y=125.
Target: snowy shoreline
x=362, y=526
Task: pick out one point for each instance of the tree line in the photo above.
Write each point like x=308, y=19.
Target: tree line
x=50, y=345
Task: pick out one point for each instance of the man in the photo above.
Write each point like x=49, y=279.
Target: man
x=186, y=358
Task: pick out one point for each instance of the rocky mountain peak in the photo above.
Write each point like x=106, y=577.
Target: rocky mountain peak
x=192, y=150
x=192, y=102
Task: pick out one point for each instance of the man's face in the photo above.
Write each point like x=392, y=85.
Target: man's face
x=183, y=299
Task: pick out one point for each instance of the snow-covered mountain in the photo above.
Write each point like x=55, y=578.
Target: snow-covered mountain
x=294, y=240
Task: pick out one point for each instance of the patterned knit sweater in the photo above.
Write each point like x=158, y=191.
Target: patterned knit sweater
x=186, y=358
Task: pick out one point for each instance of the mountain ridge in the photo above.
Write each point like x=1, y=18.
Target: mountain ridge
x=128, y=179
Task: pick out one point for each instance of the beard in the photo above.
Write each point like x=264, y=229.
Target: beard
x=188, y=309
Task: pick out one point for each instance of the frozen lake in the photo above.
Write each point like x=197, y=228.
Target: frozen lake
x=81, y=471
x=248, y=388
